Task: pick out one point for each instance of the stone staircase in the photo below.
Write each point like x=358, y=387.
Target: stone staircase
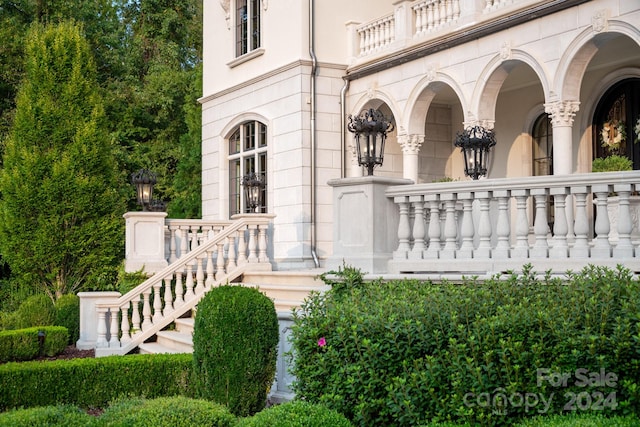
x=287, y=289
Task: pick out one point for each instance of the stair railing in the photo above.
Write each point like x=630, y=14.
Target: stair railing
x=126, y=322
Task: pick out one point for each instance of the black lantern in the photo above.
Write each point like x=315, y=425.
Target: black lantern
x=370, y=129
x=475, y=143
x=144, y=180
x=253, y=188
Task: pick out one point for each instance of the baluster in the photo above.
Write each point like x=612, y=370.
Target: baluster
x=179, y=289
x=436, y=15
x=101, y=340
x=602, y=246
x=433, y=250
x=404, y=228
x=624, y=248
x=220, y=261
x=420, y=24
x=418, y=228
x=456, y=9
x=560, y=248
x=362, y=42
x=262, y=244
x=157, y=302
x=124, y=324
x=168, y=296
x=135, y=315
x=580, y=247
x=503, y=226
x=521, y=248
x=430, y=17
x=450, y=227
x=253, y=254
x=172, y=244
x=483, y=250
x=210, y=272
x=466, y=229
x=449, y=9
x=231, y=251
x=146, y=310
x=114, y=342
x=184, y=240
x=540, y=248
x=189, y=282
x=199, y=276
x=242, y=247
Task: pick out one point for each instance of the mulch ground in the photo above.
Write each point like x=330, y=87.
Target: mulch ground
x=71, y=352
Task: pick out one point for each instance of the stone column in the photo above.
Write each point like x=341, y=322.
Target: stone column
x=410, y=149
x=562, y=114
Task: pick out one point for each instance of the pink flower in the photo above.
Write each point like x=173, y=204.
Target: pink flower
x=322, y=342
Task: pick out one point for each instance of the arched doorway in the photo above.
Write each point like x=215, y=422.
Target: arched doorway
x=615, y=120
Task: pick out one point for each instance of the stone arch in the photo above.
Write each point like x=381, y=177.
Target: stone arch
x=241, y=118
x=421, y=97
x=578, y=55
x=375, y=99
x=493, y=76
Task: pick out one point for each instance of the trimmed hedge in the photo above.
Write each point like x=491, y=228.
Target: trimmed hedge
x=68, y=315
x=580, y=420
x=235, y=343
x=410, y=353
x=296, y=414
x=92, y=382
x=47, y=416
x=24, y=344
x=36, y=310
x=175, y=411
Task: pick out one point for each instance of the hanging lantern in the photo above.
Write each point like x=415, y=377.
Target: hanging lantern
x=476, y=143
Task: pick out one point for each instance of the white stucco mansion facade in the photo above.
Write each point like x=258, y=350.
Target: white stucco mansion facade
x=281, y=77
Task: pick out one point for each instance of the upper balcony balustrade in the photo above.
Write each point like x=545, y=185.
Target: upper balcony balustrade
x=414, y=23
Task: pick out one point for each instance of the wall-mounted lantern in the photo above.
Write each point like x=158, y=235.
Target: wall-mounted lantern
x=370, y=129
x=475, y=143
x=254, y=185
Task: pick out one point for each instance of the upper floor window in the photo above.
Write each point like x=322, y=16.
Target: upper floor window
x=247, y=154
x=247, y=26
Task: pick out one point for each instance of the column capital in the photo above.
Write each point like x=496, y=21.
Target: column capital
x=562, y=112
x=410, y=143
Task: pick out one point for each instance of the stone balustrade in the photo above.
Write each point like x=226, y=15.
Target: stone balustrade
x=555, y=223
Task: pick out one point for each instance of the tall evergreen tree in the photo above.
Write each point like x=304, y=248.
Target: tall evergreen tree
x=61, y=210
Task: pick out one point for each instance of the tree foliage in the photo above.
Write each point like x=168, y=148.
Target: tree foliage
x=61, y=209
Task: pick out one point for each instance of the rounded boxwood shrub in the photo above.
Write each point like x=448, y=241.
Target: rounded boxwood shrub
x=235, y=342
x=47, y=416
x=177, y=411
x=37, y=310
x=68, y=315
x=296, y=414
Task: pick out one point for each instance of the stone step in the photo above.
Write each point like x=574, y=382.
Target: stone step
x=185, y=325
x=155, y=348
x=180, y=341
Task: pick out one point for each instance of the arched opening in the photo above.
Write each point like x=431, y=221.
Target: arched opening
x=616, y=122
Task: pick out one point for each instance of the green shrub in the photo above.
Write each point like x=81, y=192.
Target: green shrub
x=36, y=310
x=24, y=344
x=234, y=348
x=68, y=315
x=296, y=414
x=410, y=353
x=611, y=163
x=176, y=411
x=580, y=420
x=92, y=382
x=47, y=416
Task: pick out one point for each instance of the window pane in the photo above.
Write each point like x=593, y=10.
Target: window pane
x=235, y=190
x=542, y=146
x=249, y=136
x=262, y=137
x=234, y=142
x=255, y=24
x=241, y=27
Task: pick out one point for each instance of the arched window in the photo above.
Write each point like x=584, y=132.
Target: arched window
x=542, y=135
x=247, y=154
x=615, y=120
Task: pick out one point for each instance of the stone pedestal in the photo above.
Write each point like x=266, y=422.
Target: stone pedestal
x=365, y=230
x=89, y=317
x=144, y=246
